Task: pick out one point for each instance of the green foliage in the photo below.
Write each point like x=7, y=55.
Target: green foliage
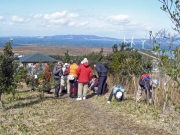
x=7, y=70
x=66, y=57
x=127, y=63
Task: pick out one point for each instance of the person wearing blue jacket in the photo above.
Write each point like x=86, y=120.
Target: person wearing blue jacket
x=102, y=73
x=117, y=92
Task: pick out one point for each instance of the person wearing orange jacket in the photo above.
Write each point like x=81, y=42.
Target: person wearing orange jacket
x=84, y=73
x=72, y=77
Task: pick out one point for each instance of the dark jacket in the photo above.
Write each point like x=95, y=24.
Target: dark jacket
x=101, y=70
x=145, y=84
x=57, y=72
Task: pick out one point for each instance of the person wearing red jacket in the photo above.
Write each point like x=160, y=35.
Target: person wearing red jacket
x=84, y=73
x=47, y=75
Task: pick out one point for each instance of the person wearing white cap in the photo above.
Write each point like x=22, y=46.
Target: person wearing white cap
x=84, y=73
x=117, y=92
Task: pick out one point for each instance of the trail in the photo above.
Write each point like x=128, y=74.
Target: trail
x=93, y=117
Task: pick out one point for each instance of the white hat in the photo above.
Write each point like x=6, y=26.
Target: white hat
x=84, y=60
x=119, y=95
x=66, y=64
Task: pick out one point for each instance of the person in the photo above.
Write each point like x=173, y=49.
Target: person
x=57, y=71
x=72, y=77
x=47, y=76
x=34, y=76
x=63, y=79
x=93, y=84
x=117, y=92
x=146, y=84
x=84, y=73
x=102, y=73
x=66, y=73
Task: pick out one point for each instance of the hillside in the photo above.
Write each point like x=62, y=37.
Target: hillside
x=30, y=115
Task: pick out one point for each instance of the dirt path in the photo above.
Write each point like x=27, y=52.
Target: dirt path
x=105, y=121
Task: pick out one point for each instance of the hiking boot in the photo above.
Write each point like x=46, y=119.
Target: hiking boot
x=84, y=98
x=79, y=98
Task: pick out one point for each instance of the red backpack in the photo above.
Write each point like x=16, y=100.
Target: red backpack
x=145, y=77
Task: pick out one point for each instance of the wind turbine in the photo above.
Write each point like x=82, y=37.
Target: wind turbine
x=132, y=42
x=143, y=41
x=125, y=41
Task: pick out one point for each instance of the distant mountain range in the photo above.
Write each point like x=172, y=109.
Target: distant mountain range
x=65, y=37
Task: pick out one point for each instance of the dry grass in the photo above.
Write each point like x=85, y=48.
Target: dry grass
x=27, y=114
x=58, y=50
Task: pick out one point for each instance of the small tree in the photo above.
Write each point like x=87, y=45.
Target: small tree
x=7, y=80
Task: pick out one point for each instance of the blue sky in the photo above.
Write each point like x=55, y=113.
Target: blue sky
x=111, y=18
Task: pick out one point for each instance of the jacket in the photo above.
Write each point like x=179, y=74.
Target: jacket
x=84, y=73
x=101, y=70
x=57, y=72
x=72, y=69
x=116, y=89
x=47, y=73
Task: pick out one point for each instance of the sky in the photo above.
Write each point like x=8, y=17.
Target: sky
x=105, y=18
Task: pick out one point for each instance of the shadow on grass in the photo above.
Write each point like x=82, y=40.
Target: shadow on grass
x=23, y=91
x=22, y=105
x=32, y=101
x=91, y=95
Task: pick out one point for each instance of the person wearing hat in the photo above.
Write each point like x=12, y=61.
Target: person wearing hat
x=102, y=73
x=117, y=92
x=84, y=73
x=57, y=71
x=147, y=84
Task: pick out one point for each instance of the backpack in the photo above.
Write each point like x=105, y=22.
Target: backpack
x=145, y=77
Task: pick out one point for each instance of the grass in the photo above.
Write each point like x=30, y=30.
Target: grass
x=28, y=114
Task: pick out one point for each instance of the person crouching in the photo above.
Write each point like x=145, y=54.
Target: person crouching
x=118, y=93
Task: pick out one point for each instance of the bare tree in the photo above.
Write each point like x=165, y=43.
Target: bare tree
x=172, y=7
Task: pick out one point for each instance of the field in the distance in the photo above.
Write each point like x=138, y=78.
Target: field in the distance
x=58, y=50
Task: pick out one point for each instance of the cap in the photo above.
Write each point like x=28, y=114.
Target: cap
x=59, y=64
x=93, y=63
x=119, y=95
x=66, y=64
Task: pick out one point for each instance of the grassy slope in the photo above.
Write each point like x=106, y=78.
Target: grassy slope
x=29, y=115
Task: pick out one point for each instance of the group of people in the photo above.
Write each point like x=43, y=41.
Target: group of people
x=79, y=79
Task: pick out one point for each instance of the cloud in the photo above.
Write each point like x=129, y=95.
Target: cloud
x=78, y=24
x=61, y=18
x=72, y=15
x=38, y=16
x=61, y=21
x=71, y=24
x=56, y=15
x=83, y=24
x=118, y=19
x=1, y=17
x=17, y=19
